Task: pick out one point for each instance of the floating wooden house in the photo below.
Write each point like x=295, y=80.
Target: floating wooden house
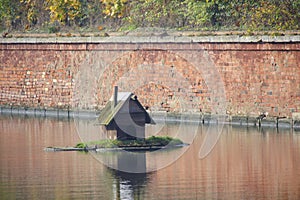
x=125, y=116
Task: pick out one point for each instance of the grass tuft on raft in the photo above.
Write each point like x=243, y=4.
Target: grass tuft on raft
x=151, y=141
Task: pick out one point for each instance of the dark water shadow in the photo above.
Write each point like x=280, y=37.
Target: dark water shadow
x=130, y=185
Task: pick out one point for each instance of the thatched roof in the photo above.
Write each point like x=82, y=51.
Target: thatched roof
x=110, y=111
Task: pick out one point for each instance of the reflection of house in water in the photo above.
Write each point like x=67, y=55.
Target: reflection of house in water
x=124, y=117
x=129, y=185
x=129, y=170
x=125, y=161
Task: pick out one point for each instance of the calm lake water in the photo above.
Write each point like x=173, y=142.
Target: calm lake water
x=246, y=163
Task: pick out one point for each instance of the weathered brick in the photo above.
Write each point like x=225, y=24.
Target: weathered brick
x=256, y=77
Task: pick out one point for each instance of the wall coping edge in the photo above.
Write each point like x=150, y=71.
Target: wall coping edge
x=152, y=39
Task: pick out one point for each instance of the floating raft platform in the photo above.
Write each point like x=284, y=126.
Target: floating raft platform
x=69, y=149
x=125, y=148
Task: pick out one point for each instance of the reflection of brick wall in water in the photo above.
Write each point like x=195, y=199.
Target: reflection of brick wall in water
x=257, y=76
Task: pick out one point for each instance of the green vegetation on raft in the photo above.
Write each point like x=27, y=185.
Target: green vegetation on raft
x=151, y=141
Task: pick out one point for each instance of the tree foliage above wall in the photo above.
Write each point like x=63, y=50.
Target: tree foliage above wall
x=253, y=15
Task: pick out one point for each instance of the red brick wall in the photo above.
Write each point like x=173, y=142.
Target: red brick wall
x=257, y=77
